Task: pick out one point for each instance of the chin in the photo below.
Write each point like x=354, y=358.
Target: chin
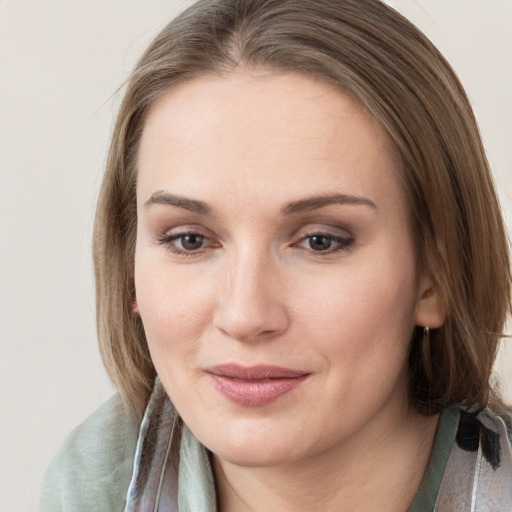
x=256, y=455
x=254, y=447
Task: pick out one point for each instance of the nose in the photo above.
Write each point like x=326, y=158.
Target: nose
x=250, y=306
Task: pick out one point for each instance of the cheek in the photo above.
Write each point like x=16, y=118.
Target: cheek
x=363, y=340
x=175, y=308
x=363, y=313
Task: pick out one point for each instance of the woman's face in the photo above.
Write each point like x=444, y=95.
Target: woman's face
x=275, y=272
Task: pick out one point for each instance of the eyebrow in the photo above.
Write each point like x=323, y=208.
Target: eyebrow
x=314, y=203
x=192, y=205
x=301, y=206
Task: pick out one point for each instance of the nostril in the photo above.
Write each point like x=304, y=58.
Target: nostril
x=252, y=324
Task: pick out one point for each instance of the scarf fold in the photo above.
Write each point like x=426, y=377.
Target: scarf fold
x=154, y=483
x=478, y=476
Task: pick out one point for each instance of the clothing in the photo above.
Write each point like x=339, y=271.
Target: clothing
x=92, y=469
x=106, y=460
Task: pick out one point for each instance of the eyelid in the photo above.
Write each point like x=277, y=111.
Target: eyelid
x=324, y=229
x=182, y=230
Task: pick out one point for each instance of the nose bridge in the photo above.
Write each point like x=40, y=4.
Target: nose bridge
x=248, y=307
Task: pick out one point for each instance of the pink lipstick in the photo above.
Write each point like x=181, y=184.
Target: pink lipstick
x=254, y=385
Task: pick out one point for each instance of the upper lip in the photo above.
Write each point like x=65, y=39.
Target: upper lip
x=259, y=372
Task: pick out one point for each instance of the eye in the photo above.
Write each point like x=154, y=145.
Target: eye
x=190, y=241
x=185, y=243
x=326, y=242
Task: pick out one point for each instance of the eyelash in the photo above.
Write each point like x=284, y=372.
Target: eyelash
x=168, y=240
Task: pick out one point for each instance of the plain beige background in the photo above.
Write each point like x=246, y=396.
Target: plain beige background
x=60, y=63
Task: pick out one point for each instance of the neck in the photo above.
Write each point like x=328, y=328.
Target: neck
x=373, y=470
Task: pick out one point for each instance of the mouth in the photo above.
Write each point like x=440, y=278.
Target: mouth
x=254, y=385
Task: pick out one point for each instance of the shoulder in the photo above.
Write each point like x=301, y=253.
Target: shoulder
x=92, y=469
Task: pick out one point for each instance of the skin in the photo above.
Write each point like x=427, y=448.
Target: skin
x=254, y=287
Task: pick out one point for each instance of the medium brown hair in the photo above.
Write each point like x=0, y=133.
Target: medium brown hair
x=380, y=59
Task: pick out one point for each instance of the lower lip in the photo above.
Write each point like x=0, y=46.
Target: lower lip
x=255, y=392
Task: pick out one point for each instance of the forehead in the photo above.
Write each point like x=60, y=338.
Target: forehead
x=251, y=131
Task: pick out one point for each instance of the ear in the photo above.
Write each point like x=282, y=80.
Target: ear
x=430, y=308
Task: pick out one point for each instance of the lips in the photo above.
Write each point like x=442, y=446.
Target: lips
x=254, y=385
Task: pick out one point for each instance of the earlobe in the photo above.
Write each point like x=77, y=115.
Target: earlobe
x=430, y=309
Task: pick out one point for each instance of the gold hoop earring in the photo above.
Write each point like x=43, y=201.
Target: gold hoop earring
x=426, y=334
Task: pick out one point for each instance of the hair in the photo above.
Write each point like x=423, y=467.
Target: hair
x=377, y=57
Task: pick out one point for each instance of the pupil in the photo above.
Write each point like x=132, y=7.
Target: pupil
x=320, y=243
x=191, y=242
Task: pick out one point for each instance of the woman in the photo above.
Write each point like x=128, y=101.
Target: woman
x=302, y=275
